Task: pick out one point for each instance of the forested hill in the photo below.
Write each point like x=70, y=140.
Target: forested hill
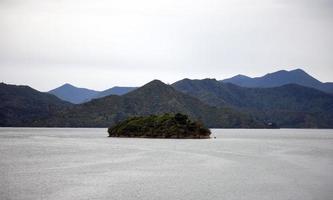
x=289, y=105
x=22, y=105
x=152, y=98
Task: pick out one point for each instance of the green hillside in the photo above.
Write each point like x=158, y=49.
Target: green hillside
x=22, y=105
x=289, y=105
x=153, y=98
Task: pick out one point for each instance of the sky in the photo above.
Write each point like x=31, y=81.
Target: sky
x=103, y=43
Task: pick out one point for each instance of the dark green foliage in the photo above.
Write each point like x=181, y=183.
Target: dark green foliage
x=180, y=118
x=161, y=126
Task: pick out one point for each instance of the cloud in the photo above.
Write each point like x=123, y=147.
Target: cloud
x=195, y=39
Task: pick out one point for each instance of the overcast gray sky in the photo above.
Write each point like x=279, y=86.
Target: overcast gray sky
x=102, y=43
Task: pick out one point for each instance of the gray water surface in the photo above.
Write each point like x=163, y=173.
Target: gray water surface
x=238, y=164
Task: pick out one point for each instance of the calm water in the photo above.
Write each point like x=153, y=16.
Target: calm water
x=239, y=164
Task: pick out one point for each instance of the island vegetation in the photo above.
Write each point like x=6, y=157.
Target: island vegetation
x=160, y=126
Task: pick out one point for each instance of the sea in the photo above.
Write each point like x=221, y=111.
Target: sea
x=240, y=164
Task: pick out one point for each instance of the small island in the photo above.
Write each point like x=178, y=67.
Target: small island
x=161, y=126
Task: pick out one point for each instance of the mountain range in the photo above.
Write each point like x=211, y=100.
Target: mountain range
x=216, y=103
x=76, y=95
x=114, y=91
x=289, y=105
x=153, y=98
x=279, y=78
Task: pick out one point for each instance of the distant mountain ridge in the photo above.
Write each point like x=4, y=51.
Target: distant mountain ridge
x=289, y=105
x=114, y=91
x=76, y=95
x=279, y=78
x=70, y=93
